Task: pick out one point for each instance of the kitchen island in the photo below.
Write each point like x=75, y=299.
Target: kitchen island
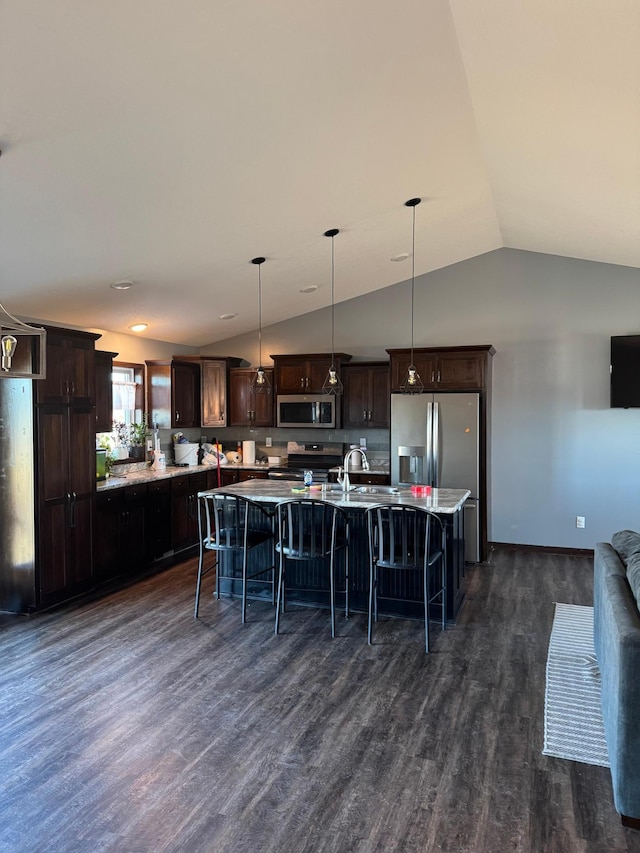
x=309, y=582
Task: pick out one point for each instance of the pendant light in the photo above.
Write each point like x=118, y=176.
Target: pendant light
x=332, y=384
x=412, y=384
x=260, y=383
x=23, y=348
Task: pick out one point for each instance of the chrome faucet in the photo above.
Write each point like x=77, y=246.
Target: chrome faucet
x=343, y=472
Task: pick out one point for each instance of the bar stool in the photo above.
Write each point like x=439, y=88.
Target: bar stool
x=309, y=529
x=232, y=524
x=407, y=539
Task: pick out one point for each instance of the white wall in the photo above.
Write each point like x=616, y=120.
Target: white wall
x=557, y=449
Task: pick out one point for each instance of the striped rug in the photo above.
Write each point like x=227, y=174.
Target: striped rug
x=573, y=727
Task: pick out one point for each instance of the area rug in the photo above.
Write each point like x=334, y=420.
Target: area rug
x=573, y=727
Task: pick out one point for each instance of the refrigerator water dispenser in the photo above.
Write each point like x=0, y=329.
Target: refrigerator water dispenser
x=411, y=463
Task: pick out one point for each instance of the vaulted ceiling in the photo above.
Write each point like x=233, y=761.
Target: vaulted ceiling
x=169, y=143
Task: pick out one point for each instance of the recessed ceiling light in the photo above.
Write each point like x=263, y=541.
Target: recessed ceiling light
x=227, y=316
x=138, y=327
x=310, y=289
x=121, y=285
x=401, y=257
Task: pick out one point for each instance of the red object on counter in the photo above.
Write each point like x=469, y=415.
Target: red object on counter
x=421, y=491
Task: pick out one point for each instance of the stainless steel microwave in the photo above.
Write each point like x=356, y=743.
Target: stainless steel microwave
x=306, y=410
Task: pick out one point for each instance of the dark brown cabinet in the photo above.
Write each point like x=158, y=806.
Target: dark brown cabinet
x=173, y=393
x=366, y=401
x=71, y=373
x=66, y=467
x=246, y=408
x=184, y=509
x=158, y=518
x=119, y=541
x=443, y=368
x=302, y=374
x=104, y=390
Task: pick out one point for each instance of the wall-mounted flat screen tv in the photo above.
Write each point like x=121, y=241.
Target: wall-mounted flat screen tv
x=625, y=372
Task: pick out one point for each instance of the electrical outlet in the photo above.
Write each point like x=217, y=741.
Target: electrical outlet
x=580, y=521
x=363, y=443
x=268, y=441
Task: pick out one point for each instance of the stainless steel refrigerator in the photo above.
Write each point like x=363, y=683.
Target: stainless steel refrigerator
x=435, y=441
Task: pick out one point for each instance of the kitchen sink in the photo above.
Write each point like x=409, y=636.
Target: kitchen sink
x=376, y=490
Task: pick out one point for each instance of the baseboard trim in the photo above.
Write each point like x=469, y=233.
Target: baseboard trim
x=543, y=549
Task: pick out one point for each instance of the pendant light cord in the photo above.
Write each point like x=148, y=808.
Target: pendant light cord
x=333, y=305
x=413, y=274
x=259, y=315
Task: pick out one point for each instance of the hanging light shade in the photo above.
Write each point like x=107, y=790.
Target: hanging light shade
x=23, y=348
x=412, y=384
x=260, y=383
x=332, y=384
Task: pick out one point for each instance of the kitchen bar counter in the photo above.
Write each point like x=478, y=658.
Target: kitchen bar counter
x=401, y=596
x=441, y=501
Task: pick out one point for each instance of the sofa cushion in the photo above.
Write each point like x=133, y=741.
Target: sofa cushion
x=633, y=575
x=626, y=543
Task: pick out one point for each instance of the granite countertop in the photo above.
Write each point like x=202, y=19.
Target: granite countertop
x=444, y=501
x=146, y=475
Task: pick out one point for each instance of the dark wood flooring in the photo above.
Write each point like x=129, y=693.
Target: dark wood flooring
x=126, y=725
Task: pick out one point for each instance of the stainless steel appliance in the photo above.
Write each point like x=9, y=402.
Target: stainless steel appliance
x=435, y=441
x=318, y=457
x=306, y=410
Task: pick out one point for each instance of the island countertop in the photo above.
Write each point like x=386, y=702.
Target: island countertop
x=441, y=501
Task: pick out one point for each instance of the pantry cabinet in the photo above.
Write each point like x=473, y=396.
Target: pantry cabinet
x=66, y=465
x=464, y=368
x=366, y=396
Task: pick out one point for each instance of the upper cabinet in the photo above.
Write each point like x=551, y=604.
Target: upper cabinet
x=173, y=392
x=188, y=391
x=304, y=374
x=71, y=376
x=366, y=400
x=246, y=408
x=444, y=368
x=215, y=389
x=104, y=390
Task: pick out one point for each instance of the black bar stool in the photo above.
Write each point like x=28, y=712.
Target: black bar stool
x=309, y=529
x=229, y=523
x=407, y=539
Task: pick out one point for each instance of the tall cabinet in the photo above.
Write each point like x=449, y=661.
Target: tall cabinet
x=65, y=465
x=47, y=462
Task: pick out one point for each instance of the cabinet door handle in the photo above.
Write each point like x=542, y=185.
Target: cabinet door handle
x=364, y=416
x=433, y=376
x=369, y=417
x=177, y=416
x=72, y=509
x=438, y=376
x=73, y=388
x=302, y=382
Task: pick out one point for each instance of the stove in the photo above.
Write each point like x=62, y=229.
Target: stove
x=318, y=457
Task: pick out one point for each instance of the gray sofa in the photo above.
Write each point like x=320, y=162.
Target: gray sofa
x=617, y=643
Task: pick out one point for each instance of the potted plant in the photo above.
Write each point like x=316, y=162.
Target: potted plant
x=137, y=437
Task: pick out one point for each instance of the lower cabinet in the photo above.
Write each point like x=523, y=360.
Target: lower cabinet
x=119, y=542
x=158, y=518
x=184, y=509
x=135, y=525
